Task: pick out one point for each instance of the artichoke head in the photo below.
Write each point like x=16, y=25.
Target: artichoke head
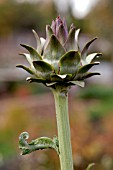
x=57, y=60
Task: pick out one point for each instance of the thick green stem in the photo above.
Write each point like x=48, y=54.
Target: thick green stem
x=61, y=104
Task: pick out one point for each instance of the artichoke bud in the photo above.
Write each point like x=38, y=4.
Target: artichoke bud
x=57, y=60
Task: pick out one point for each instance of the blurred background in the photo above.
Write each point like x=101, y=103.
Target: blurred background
x=30, y=107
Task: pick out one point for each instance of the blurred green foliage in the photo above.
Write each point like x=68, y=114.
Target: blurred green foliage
x=15, y=119
x=97, y=92
x=104, y=99
x=25, y=88
x=100, y=19
x=23, y=16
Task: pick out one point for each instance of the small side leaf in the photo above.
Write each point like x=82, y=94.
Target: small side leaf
x=37, y=144
x=69, y=62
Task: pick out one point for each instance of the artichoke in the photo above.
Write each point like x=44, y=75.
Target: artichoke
x=57, y=60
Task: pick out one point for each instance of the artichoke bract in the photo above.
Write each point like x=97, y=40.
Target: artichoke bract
x=57, y=60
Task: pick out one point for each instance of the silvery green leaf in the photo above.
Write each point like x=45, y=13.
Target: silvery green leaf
x=49, y=32
x=55, y=78
x=76, y=38
x=39, y=47
x=90, y=57
x=85, y=49
x=68, y=77
x=43, y=69
x=33, y=53
x=62, y=76
x=29, y=59
x=50, y=84
x=86, y=67
x=43, y=41
x=53, y=51
x=25, y=68
x=69, y=62
x=83, y=76
x=36, y=80
x=70, y=44
x=79, y=83
x=88, y=75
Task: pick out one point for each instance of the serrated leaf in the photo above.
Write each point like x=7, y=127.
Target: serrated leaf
x=86, y=68
x=70, y=44
x=33, y=53
x=90, y=57
x=53, y=51
x=25, y=68
x=37, y=144
x=43, y=69
x=69, y=62
x=85, y=49
x=39, y=47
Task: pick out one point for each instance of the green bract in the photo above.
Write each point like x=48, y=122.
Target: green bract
x=57, y=59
